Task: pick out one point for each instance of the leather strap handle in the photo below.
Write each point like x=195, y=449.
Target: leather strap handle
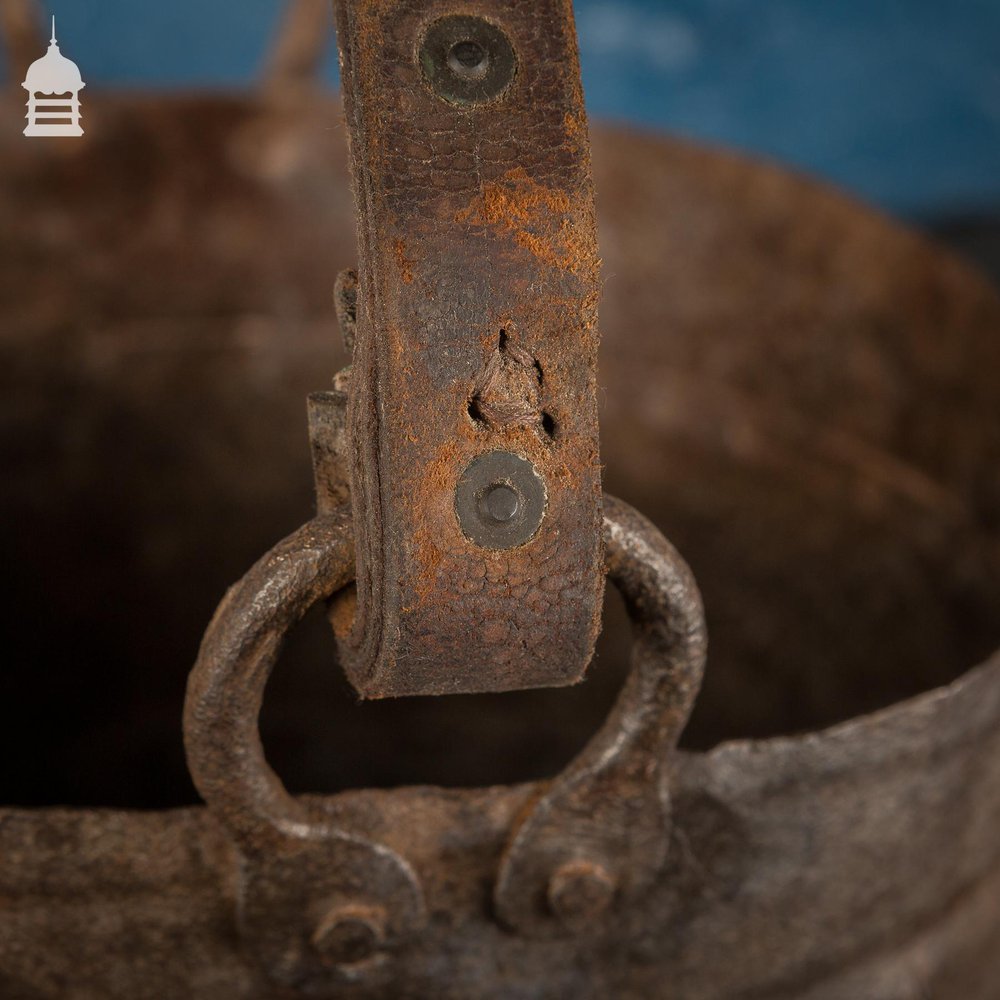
x=473, y=412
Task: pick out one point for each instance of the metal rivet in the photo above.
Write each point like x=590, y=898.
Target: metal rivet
x=580, y=891
x=467, y=60
x=500, y=500
x=350, y=935
x=500, y=503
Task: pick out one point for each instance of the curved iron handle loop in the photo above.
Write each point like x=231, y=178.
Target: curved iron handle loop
x=226, y=687
x=295, y=56
x=597, y=832
x=308, y=886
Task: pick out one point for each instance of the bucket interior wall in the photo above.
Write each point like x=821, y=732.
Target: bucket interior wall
x=803, y=397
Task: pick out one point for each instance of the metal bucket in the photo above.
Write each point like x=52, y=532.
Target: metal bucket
x=800, y=394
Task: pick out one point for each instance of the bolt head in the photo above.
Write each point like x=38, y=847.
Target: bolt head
x=580, y=891
x=350, y=935
x=500, y=503
x=500, y=500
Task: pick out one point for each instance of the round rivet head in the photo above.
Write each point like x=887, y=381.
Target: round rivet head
x=500, y=500
x=500, y=503
x=580, y=891
x=466, y=59
x=350, y=935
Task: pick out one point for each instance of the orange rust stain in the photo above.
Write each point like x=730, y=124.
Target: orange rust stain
x=404, y=264
x=516, y=200
x=545, y=222
x=575, y=125
x=431, y=493
x=369, y=39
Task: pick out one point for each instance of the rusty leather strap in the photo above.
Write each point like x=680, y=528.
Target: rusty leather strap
x=476, y=477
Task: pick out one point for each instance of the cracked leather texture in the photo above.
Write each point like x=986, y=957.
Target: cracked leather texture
x=472, y=221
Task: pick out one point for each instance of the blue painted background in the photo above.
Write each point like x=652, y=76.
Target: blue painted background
x=897, y=100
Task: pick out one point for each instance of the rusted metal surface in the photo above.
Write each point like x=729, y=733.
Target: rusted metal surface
x=476, y=334
x=801, y=393
x=601, y=825
x=301, y=872
x=858, y=862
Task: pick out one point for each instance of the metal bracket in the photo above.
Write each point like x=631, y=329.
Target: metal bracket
x=319, y=901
